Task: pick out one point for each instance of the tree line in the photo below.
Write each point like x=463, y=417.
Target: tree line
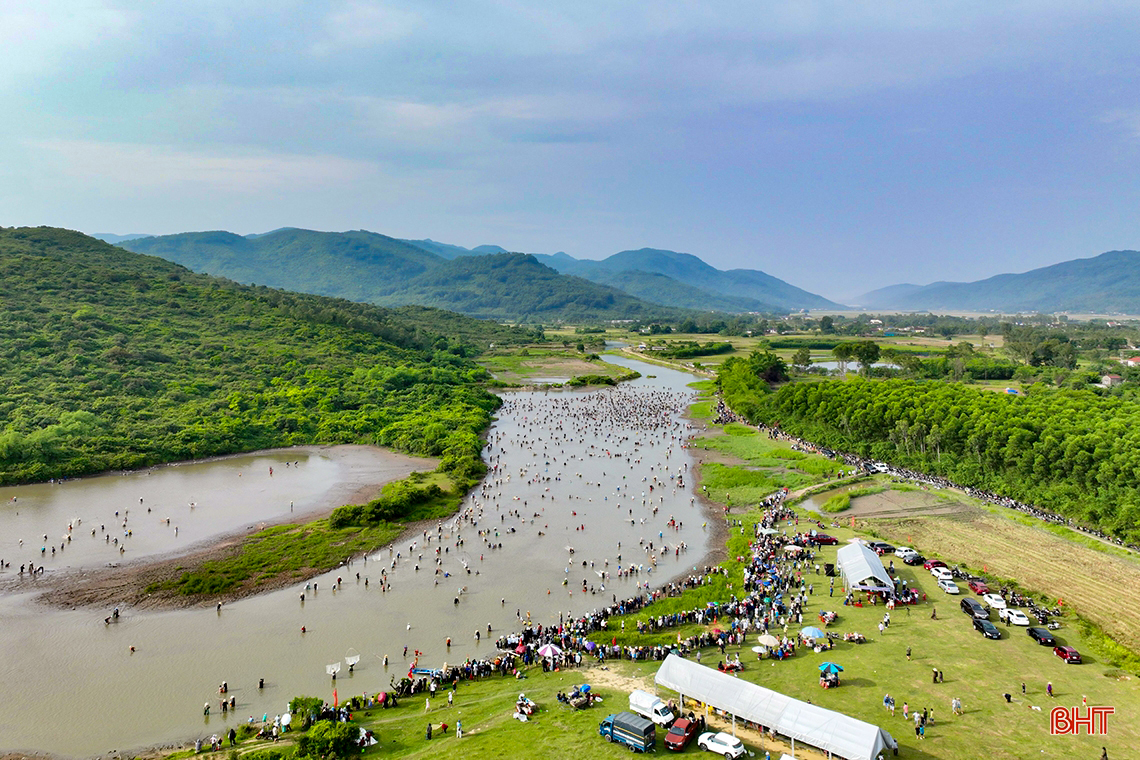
x=1072, y=452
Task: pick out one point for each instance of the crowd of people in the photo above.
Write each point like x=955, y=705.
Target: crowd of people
x=871, y=466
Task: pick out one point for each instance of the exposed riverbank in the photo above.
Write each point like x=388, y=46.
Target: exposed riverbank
x=362, y=472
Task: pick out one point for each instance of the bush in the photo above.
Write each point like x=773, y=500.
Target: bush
x=329, y=739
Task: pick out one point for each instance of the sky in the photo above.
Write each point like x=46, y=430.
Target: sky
x=839, y=146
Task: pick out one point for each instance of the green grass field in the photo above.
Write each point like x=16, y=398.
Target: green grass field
x=1100, y=584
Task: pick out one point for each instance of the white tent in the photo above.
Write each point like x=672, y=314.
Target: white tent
x=862, y=569
x=828, y=730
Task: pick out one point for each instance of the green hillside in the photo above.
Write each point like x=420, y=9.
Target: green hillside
x=517, y=286
x=658, y=288
x=1108, y=283
x=113, y=360
x=357, y=265
x=372, y=268
x=747, y=287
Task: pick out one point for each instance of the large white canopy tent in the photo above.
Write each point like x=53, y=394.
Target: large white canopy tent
x=862, y=570
x=833, y=732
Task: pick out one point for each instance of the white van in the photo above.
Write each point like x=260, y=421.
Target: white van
x=646, y=704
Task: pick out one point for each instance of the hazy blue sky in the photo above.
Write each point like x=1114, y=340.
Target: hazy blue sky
x=841, y=146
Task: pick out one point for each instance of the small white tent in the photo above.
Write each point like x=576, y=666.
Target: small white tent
x=833, y=732
x=862, y=569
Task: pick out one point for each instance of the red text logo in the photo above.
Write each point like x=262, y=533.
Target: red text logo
x=1069, y=720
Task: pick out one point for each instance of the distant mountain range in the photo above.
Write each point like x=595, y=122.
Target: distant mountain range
x=1104, y=284
x=486, y=281
x=113, y=239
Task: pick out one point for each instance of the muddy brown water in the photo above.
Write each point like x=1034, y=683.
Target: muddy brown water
x=71, y=685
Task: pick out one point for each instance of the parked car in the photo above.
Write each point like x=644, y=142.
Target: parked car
x=942, y=573
x=994, y=600
x=1068, y=654
x=1017, y=617
x=722, y=744
x=680, y=734
x=904, y=551
x=950, y=587
x=975, y=610
x=1041, y=636
x=881, y=547
x=826, y=540
x=979, y=587
x=987, y=629
x=914, y=559
x=932, y=563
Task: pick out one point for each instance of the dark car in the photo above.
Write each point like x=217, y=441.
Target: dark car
x=931, y=563
x=825, y=540
x=987, y=629
x=978, y=587
x=1041, y=636
x=881, y=547
x=914, y=559
x=1068, y=654
x=975, y=610
x=680, y=734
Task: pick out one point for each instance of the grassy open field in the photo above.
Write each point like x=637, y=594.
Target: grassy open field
x=1102, y=585
x=544, y=365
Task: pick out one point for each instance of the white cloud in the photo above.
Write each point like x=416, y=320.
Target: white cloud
x=39, y=36
x=1127, y=119
x=357, y=23
x=229, y=170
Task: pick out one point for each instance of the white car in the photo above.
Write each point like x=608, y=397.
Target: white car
x=942, y=573
x=994, y=601
x=1017, y=617
x=905, y=551
x=950, y=587
x=722, y=744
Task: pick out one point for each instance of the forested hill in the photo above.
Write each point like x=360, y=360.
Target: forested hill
x=1072, y=452
x=1104, y=284
x=114, y=360
x=357, y=265
x=670, y=278
x=750, y=285
x=372, y=268
x=517, y=286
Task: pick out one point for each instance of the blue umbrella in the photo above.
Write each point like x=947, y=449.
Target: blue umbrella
x=812, y=632
x=830, y=667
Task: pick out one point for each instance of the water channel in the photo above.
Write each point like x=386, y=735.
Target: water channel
x=71, y=685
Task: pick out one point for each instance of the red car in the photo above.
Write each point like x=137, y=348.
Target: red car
x=680, y=734
x=928, y=564
x=825, y=540
x=979, y=587
x=1068, y=654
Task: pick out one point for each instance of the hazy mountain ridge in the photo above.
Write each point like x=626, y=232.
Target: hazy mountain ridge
x=695, y=283
x=368, y=267
x=1107, y=283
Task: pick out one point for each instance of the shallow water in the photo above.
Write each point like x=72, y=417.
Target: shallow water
x=71, y=685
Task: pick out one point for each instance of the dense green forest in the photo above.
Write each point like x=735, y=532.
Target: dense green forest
x=373, y=268
x=113, y=360
x=1072, y=452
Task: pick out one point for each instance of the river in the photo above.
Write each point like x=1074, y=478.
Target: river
x=71, y=684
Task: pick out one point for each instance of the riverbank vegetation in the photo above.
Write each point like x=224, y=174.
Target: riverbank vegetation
x=112, y=360
x=1071, y=452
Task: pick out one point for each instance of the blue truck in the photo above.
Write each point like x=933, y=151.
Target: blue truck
x=634, y=731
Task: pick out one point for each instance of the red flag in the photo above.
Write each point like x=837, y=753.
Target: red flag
x=334, y=698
